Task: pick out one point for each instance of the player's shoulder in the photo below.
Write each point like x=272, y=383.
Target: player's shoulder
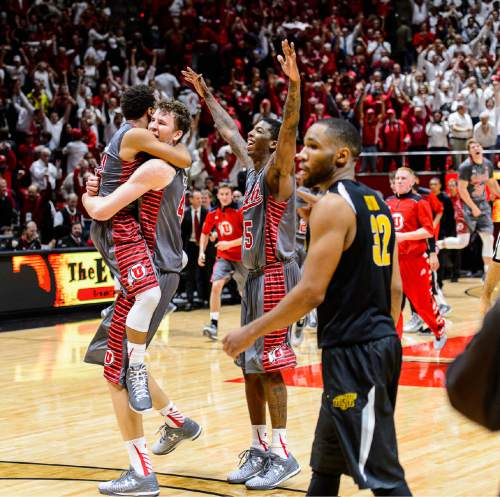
x=465, y=166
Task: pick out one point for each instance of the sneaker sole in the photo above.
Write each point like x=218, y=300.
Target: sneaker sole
x=198, y=433
x=207, y=333
x=138, y=412
x=272, y=487
x=136, y=494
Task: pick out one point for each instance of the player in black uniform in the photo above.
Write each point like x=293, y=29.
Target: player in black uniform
x=358, y=293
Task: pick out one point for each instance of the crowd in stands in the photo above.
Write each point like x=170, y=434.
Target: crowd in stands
x=411, y=75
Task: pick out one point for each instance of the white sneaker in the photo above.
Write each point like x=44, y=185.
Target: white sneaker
x=414, y=324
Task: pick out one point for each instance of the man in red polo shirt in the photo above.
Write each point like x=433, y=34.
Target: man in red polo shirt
x=227, y=220
x=413, y=222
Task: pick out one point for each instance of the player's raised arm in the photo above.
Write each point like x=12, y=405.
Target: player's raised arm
x=223, y=121
x=142, y=140
x=152, y=175
x=282, y=166
x=328, y=242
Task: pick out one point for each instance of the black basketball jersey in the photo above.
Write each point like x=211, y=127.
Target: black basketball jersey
x=357, y=304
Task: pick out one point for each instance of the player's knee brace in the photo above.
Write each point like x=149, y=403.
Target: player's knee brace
x=142, y=311
x=487, y=239
x=463, y=239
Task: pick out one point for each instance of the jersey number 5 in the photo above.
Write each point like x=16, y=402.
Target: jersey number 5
x=247, y=234
x=381, y=230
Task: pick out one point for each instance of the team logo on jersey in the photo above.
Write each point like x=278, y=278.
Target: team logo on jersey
x=137, y=272
x=253, y=198
x=345, y=401
x=226, y=228
x=399, y=220
x=109, y=358
x=100, y=167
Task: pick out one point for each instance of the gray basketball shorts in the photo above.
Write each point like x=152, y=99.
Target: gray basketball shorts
x=224, y=270
x=264, y=289
x=109, y=345
x=483, y=223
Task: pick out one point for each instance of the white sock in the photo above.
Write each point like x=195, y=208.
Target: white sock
x=173, y=417
x=214, y=316
x=139, y=457
x=259, y=437
x=136, y=352
x=279, y=443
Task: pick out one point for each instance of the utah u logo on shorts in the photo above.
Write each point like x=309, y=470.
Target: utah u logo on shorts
x=345, y=401
x=137, y=272
x=109, y=358
x=275, y=354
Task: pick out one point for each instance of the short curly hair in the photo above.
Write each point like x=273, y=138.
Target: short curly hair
x=181, y=114
x=136, y=101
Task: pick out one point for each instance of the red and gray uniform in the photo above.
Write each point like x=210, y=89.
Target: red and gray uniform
x=142, y=253
x=411, y=212
x=462, y=228
x=133, y=258
x=268, y=252
x=161, y=215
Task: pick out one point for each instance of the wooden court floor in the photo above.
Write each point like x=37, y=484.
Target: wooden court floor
x=59, y=436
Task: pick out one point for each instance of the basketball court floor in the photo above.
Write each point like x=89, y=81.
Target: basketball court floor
x=59, y=436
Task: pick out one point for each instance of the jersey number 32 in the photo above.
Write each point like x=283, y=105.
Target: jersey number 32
x=381, y=230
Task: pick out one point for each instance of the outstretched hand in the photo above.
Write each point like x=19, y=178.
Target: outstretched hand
x=237, y=341
x=289, y=63
x=197, y=81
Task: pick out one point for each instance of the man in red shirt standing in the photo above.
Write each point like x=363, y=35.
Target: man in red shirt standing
x=227, y=219
x=413, y=222
x=416, y=121
x=393, y=137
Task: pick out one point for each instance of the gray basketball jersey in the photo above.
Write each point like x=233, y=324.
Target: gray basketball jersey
x=160, y=217
x=113, y=170
x=268, y=225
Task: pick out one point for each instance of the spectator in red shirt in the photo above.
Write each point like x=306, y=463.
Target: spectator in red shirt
x=7, y=205
x=393, y=137
x=413, y=223
x=227, y=219
x=8, y=162
x=319, y=113
x=35, y=207
x=370, y=128
x=416, y=120
x=221, y=169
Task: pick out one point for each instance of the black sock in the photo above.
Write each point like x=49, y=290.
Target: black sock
x=401, y=490
x=323, y=484
x=214, y=322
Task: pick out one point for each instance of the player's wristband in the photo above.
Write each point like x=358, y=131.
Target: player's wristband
x=432, y=244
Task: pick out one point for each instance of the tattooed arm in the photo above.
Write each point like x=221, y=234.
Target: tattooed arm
x=223, y=121
x=280, y=174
